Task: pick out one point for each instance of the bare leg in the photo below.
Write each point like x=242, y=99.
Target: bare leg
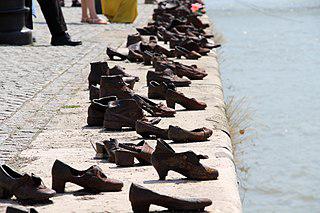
x=84, y=7
x=94, y=18
x=92, y=9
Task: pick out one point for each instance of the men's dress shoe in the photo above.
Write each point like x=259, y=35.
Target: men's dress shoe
x=168, y=77
x=124, y=156
x=24, y=187
x=141, y=199
x=178, y=134
x=147, y=130
x=97, y=110
x=158, y=90
x=64, y=40
x=92, y=179
x=164, y=158
x=174, y=97
x=11, y=209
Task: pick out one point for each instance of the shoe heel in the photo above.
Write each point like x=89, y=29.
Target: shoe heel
x=58, y=185
x=162, y=172
x=140, y=208
x=112, y=126
x=171, y=103
x=5, y=194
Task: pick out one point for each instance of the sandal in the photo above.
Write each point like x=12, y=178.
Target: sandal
x=97, y=21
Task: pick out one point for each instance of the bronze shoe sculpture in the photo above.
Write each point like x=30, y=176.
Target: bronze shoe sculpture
x=11, y=209
x=98, y=69
x=92, y=179
x=141, y=199
x=164, y=158
x=168, y=77
x=191, y=72
x=115, y=86
x=124, y=113
x=147, y=130
x=23, y=187
x=115, y=56
x=124, y=156
x=97, y=110
x=180, y=135
x=175, y=97
x=159, y=90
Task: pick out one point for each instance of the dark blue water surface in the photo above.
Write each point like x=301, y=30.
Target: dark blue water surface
x=272, y=57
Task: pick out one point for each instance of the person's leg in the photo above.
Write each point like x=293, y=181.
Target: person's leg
x=53, y=14
x=128, y=11
x=84, y=8
x=28, y=17
x=94, y=18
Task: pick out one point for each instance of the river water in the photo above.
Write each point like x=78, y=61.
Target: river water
x=272, y=57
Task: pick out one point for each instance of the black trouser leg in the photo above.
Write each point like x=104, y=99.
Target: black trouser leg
x=53, y=14
x=28, y=16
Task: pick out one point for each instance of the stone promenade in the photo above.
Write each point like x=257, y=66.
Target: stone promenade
x=44, y=101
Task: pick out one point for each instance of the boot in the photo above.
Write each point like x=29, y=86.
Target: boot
x=97, y=70
x=164, y=158
x=158, y=90
x=97, y=109
x=133, y=38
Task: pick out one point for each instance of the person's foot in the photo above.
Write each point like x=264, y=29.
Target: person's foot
x=75, y=4
x=97, y=21
x=64, y=40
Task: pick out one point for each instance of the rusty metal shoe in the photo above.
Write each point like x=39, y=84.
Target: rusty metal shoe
x=147, y=130
x=124, y=113
x=190, y=72
x=141, y=199
x=111, y=146
x=133, y=38
x=101, y=152
x=154, y=109
x=158, y=90
x=118, y=70
x=164, y=158
x=98, y=69
x=175, y=97
x=11, y=209
x=92, y=179
x=94, y=92
x=97, y=110
x=168, y=77
x=23, y=187
x=114, y=86
x=124, y=156
x=115, y=56
x=180, y=135
x=180, y=51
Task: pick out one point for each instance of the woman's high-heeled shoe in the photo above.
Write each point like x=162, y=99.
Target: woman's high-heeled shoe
x=164, y=158
x=113, y=53
x=141, y=199
x=180, y=51
x=92, y=179
x=188, y=71
x=174, y=97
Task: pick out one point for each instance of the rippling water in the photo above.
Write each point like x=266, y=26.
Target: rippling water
x=272, y=57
